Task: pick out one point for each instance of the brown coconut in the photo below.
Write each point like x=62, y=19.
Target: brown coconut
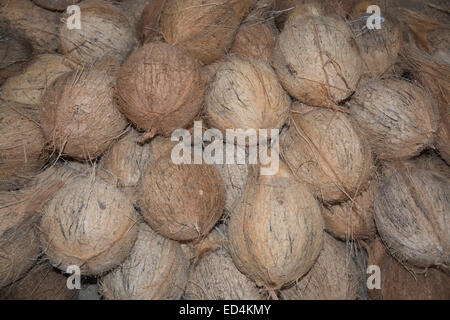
x=325, y=150
x=29, y=86
x=205, y=28
x=156, y=269
x=160, y=88
x=40, y=283
x=79, y=116
x=411, y=212
x=399, y=282
x=105, y=31
x=246, y=94
x=332, y=277
x=242, y=7
x=55, y=5
x=276, y=230
x=181, y=202
x=147, y=22
x=13, y=50
x=307, y=74
x=22, y=145
x=88, y=223
x=38, y=26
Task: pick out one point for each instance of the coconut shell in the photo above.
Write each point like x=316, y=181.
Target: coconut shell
x=401, y=283
x=276, y=230
x=40, y=283
x=13, y=50
x=105, y=31
x=412, y=210
x=181, y=202
x=246, y=94
x=332, y=277
x=160, y=88
x=205, y=28
x=309, y=76
x=149, y=19
x=22, y=145
x=156, y=269
x=36, y=25
x=235, y=178
x=55, y=5
x=325, y=150
x=398, y=118
x=79, y=116
x=88, y=223
x=29, y=86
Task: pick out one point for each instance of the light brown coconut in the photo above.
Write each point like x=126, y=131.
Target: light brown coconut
x=235, y=178
x=181, y=202
x=29, y=86
x=22, y=145
x=411, y=212
x=88, y=223
x=399, y=282
x=105, y=31
x=13, y=50
x=276, y=230
x=205, y=28
x=332, y=277
x=40, y=283
x=156, y=269
x=38, y=26
x=55, y=5
x=325, y=150
x=246, y=94
x=317, y=59
x=149, y=19
x=160, y=88
x=79, y=116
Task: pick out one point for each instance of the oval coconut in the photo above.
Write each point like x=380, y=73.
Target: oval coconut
x=332, y=277
x=276, y=231
x=181, y=202
x=160, y=88
x=55, y=5
x=246, y=94
x=88, y=223
x=311, y=77
x=29, y=86
x=79, y=116
x=22, y=145
x=398, y=118
x=13, y=50
x=412, y=214
x=205, y=28
x=105, y=32
x=156, y=269
x=325, y=150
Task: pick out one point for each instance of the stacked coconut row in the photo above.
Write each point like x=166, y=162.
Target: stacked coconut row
x=87, y=177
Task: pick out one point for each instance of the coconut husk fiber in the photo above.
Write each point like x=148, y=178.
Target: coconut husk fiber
x=147, y=25
x=13, y=50
x=55, y=5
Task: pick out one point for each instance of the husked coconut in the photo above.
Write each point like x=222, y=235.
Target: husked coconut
x=147, y=22
x=88, y=223
x=13, y=50
x=57, y=5
x=156, y=269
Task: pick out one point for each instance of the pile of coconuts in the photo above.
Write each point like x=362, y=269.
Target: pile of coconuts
x=89, y=125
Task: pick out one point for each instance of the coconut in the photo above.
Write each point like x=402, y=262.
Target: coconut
x=325, y=150
x=13, y=50
x=148, y=20
x=36, y=25
x=205, y=28
x=29, y=86
x=105, y=32
x=246, y=94
x=181, y=202
x=308, y=74
x=55, y=5
x=412, y=210
x=40, y=283
x=332, y=277
x=79, y=116
x=276, y=230
x=401, y=283
x=398, y=118
x=242, y=7
x=88, y=223
x=156, y=269
x=22, y=145
x=234, y=177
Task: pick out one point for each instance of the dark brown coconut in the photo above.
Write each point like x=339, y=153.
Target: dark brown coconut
x=79, y=116
x=88, y=223
x=332, y=277
x=412, y=210
x=181, y=202
x=13, y=50
x=156, y=269
x=205, y=28
x=57, y=5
